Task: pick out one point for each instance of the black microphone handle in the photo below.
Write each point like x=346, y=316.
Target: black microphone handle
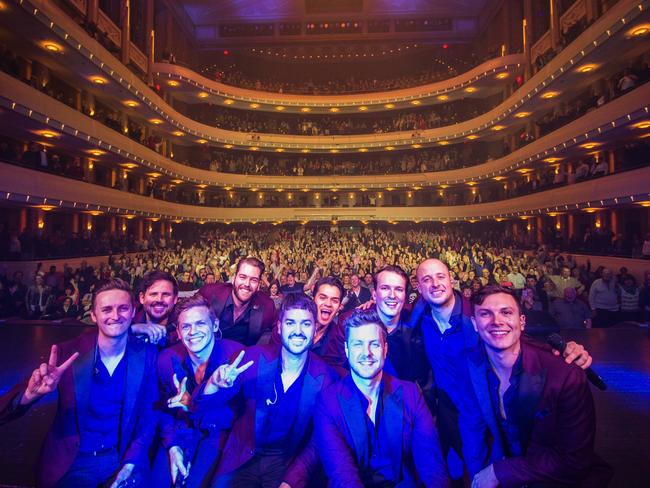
x=556, y=341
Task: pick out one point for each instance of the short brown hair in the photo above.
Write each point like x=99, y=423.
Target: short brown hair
x=479, y=297
x=251, y=261
x=360, y=318
x=298, y=301
x=187, y=303
x=111, y=284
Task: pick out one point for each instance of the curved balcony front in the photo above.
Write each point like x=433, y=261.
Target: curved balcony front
x=29, y=187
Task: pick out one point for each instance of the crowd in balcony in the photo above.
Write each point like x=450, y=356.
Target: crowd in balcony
x=540, y=275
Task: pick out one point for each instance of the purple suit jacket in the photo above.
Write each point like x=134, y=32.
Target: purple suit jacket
x=256, y=385
x=342, y=439
x=263, y=315
x=138, y=418
x=556, y=419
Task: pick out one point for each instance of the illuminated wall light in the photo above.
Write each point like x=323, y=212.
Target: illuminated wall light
x=279, y=108
x=389, y=148
x=130, y=103
x=40, y=224
x=334, y=109
x=587, y=68
x=642, y=125
x=203, y=94
x=254, y=148
x=363, y=149
x=443, y=143
x=156, y=121
x=521, y=115
x=498, y=127
x=552, y=160
x=201, y=141
x=549, y=95
x=51, y=46
x=96, y=152
x=502, y=76
x=415, y=102
x=228, y=101
x=363, y=108
x=590, y=145
x=228, y=146
x=173, y=83
x=442, y=98
x=98, y=80
x=254, y=105
x=305, y=109
x=389, y=105
x=471, y=137
x=416, y=146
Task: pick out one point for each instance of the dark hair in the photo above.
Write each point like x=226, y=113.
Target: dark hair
x=111, y=284
x=364, y=317
x=331, y=281
x=391, y=268
x=479, y=297
x=297, y=301
x=157, y=275
x=251, y=262
x=185, y=304
x=531, y=276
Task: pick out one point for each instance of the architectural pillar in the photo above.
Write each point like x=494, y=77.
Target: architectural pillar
x=22, y=220
x=113, y=178
x=126, y=30
x=113, y=224
x=592, y=10
x=148, y=20
x=92, y=11
x=539, y=223
x=612, y=161
x=554, y=24
x=527, y=35
x=515, y=229
x=89, y=170
x=613, y=221
x=74, y=224
x=140, y=230
x=571, y=225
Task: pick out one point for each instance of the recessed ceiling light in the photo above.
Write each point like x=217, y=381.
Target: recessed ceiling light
x=442, y=98
x=130, y=103
x=203, y=94
x=305, y=109
x=228, y=146
x=334, y=109
x=521, y=115
x=96, y=152
x=415, y=102
x=587, y=68
x=254, y=148
x=334, y=151
x=640, y=30
x=443, y=143
x=498, y=127
x=389, y=148
x=590, y=145
x=201, y=141
x=48, y=134
x=228, y=101
x=550, y=94
x=156, y=121
x=471, y=137
x=279, y=108
x=502, y=76
x=363, y=149
x=389, y=105
x=173, y=83
x=363, y=108
x=470, y=89
x=51, y=46
x=416, y=146
x=98, y=80
x=254, y=105
x=304, y=150
x=642, y=125
x=279, y=149
x=178, y=133
x=552, y=160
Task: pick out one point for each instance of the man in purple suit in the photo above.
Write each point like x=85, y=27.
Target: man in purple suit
x=537, y=408
x=270, y=443
x=105, y=420
x=372, y=429
x=245, y=314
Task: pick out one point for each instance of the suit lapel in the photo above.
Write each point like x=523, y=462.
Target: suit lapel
x=135, y=364
x=531, y=387
x=265, y=382
x=355, y=418
x=82, y=374
x=310, y=387
x=393, y=419
x=255, y=322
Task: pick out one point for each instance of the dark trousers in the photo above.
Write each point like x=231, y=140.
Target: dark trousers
x=260, y=472
x=90, y=470
x=605, y=318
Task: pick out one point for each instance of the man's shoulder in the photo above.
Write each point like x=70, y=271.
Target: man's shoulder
x=176, y=351
x=538, y=358
x=215, y=290
x=317, y=366
x=84, y=342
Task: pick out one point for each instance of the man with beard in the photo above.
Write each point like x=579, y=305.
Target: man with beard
x=356, y=294
x=158, y=297
x=371, y=429
x=192, y=438
x=106, y=386
x=270, y=443
x=245, y=314
x=448, y=336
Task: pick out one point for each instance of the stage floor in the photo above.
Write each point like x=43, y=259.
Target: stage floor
x=621, y=357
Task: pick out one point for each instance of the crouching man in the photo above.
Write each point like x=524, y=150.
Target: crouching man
x=371, y=429
x=538, y=409
x=271, y=441
x=106, y=386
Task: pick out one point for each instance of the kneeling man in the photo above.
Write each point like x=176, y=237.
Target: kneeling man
x=373, y=430
x=537, y=409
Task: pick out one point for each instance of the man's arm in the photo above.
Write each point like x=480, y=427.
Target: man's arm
x=569, y=459
x=336, y=455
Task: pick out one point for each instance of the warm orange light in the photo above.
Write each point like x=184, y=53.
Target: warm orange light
x=363, y=108
x=642, y=125
x=173, y=83
x=498, y=127
x=640, y=30
x=442, y=98
x=334, y=151
x=587, y=68
x=279, y=108
x=254, y=105
x=471, y=137
x=389, y=105
x=228, y=146
x=51, y=46
x=305, y=109
x=304, y=151
x=470, y=89
x=334, y=109
x=415, y=102
x=552, y=160
x=502, y=76
x=279, y=149
x=98, y=80
x=521, y=115
x=130, y=103
x=48, y=134
x=203, y=94
x=228, y=101
x=96, y=152
x=550, y=94
x=201, y=141
x=590, y=145
x=443, y=143
x=389, y=148
x=156, y=121
x=416, y=146
x=363, y=149
x=254, y=148
x=178, y=133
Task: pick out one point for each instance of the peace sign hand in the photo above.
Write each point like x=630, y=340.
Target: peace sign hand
x=46, y=377
x=182, y=398
x=226, y=374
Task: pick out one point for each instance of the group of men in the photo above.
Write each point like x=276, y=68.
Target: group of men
x=241, y=396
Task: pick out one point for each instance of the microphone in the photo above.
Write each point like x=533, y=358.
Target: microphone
x=557, y=342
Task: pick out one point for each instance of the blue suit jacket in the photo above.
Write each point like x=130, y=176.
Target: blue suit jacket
x=138, y=419
x=342, y=439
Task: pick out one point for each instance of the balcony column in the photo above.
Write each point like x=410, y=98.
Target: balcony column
x=515, y=229
x=89, y=170
x=315, y=200
x=613, y=221
x=113, y=178
x=611, y=160
x=74, y=223
x=539, y=224
x=89, y=101
x=554, y=24
x=92, y=11
x=140, y=230
x=380, y=199
x=571, y=225
x=22, y=220
x=149, y=32
x=126, y=30
x=527, y=36
x=27, y=69
x=592, y=10
x=113, y=224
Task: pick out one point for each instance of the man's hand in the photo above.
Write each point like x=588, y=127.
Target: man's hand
x=225, y=375
x=284, y=484
x=154, y=332
x=46, y=377
x=176, y=463
x=367, y=305
x=485, y=478
x=576, y=354
x=123, y=475
x=182, y=398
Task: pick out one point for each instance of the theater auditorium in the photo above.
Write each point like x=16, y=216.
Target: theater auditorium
x=305, y=243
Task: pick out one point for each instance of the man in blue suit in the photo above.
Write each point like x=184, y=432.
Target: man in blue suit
x=371, y=429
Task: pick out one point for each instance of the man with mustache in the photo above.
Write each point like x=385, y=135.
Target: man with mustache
x=448, y=336
x=538, y=410
x=192, y=438
x=245, y=314
x=372, y=429
x=158, y=296
x=270, y=443
x=107, y=387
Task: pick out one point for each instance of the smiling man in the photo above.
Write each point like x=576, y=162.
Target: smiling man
x=245, y=315
x=271, y=441
x=373, y=430
x=537, y=408
x=157, y=299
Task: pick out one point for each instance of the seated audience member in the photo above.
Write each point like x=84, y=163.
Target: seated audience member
x=292, y=286
x=245, y=314
x=569, y=312
x=565, y=280
x=629, y=294
x=158, y=296
x=371, y=429
x=644, y=298
x=105, y=421
x=537, y=408
x=192, y=438
x=270, y=443
x=540, y=322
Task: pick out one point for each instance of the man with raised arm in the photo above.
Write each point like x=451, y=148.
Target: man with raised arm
x=270, y=443
x=372, y=429
x=106, y=386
